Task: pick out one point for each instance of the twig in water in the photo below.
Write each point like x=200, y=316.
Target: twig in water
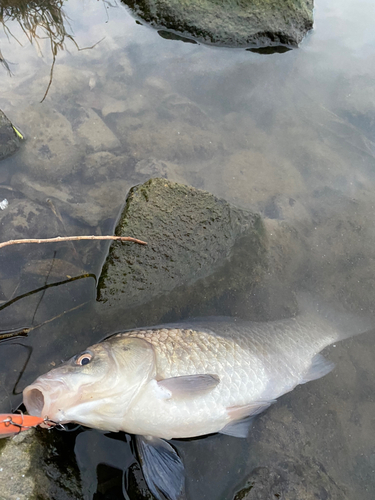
x=44, y=291
x=72, y=238
x=4, y=335
x=19, y=297
x=57, y=317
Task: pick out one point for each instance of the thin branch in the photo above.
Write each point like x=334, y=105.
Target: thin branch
x=58, y=316
x=13, y=333
x=44, y=291
x=72, y=238
x=58, y=283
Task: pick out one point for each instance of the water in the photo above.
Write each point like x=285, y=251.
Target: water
x=290, y=135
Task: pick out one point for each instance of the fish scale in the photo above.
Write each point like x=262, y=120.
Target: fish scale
x=197, y=352
x=193, y=352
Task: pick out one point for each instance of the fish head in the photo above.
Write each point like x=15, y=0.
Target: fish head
x=96, y=387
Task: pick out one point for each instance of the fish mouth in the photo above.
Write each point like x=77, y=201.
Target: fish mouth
x=41, y=401
x=34, y=401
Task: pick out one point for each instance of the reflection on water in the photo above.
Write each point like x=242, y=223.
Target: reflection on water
x=38, y=21
x=290, y=135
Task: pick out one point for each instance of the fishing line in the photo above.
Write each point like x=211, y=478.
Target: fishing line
x=62, y=427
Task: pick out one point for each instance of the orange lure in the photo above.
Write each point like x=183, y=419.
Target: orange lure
x=13, y=423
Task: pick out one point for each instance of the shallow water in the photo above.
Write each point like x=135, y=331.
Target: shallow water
x=290, y=135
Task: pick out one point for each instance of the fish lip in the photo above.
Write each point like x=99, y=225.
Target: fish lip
x=40, y=398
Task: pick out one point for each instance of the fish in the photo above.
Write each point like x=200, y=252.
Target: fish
x=189, y=379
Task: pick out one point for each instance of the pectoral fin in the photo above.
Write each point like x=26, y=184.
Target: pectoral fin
x=162, y=468
x=242, y=417
x=188, y=385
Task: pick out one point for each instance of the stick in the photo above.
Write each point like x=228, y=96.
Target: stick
x=72, y=238
x=14, y=333
x=41, y=289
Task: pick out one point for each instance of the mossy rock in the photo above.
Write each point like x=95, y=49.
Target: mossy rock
x=232, y=23
x=9, y=138
x=200, y=249
x=34, y=467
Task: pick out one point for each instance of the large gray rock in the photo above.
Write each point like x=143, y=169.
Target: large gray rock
x=201, y=251
x=241, y=23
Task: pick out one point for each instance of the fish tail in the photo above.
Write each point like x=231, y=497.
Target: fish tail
x=346, y=324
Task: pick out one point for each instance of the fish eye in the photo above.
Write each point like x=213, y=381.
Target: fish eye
x=83, y=359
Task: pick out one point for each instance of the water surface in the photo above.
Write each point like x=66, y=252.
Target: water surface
x=290, y=135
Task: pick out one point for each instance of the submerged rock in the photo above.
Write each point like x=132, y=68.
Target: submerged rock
x=50, y=152
x=9, y=138
x=93, y=132
x=27, y=219
x=167, y=127
x=100, y=197
x=291, y=480
x=53, y=268
x=158, y=168
x=261, y=23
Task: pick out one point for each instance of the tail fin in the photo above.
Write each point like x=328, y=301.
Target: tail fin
x=347, y=324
